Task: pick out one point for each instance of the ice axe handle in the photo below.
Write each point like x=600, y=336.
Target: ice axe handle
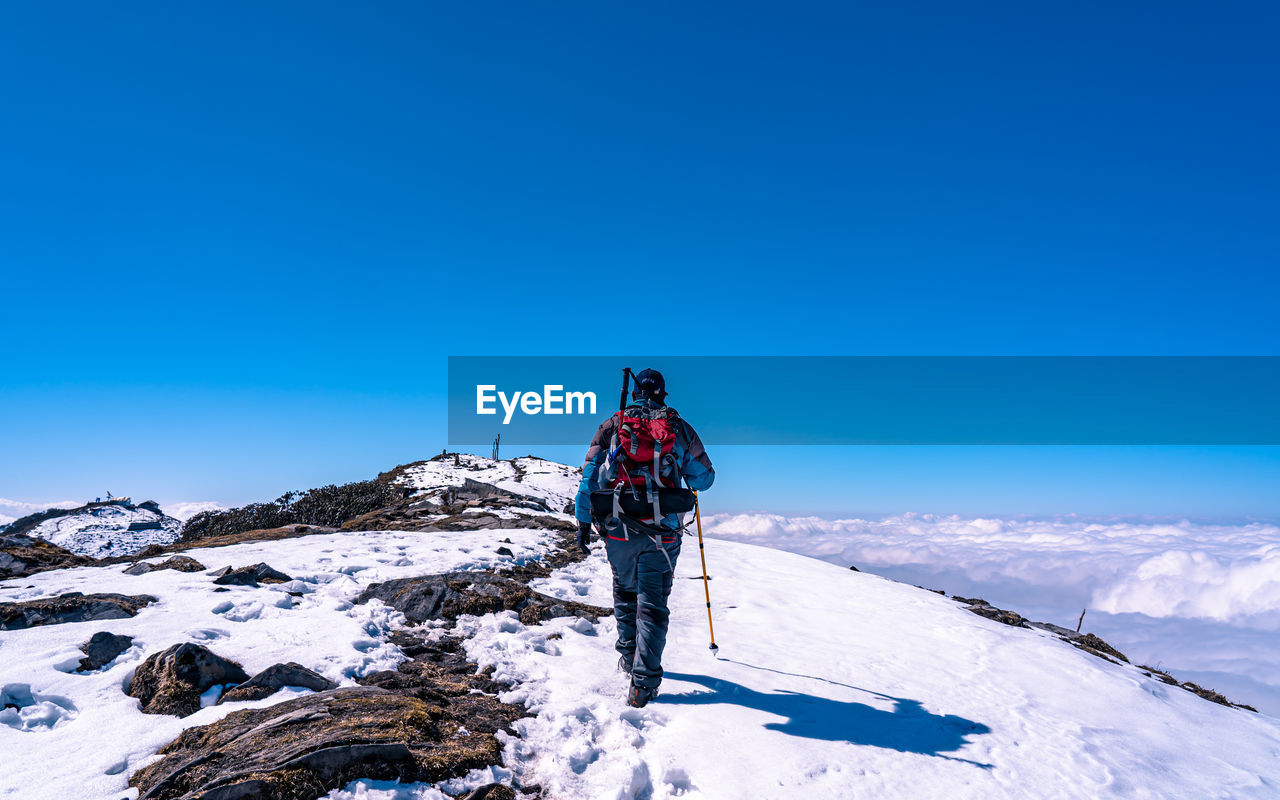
x=626, y=383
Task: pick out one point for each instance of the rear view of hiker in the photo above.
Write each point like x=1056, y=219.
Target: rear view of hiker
x=636, y=462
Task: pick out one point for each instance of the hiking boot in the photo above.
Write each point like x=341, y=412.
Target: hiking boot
x=639, y=696
x=624, y=666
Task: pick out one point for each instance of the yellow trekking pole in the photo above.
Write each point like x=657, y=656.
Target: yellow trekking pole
x=702, y=551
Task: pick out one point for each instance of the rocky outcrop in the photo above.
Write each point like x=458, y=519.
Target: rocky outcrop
x=70, y=607
x=101, y=649
x=179, y=563
x=276, y=677
x=472, y=506
x=251, y=575
x=446, y=596
x=306, y=747
x=22, y=555
x=324, y=506
x=984, y=609
x=1091, y=643
x=172, y=681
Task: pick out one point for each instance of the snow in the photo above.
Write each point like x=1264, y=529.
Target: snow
x=829, y=682
x=102, y=737
x=15, y=509
x=103, y=531
x=555, y=484
x=834, y=683
x=1200, y=599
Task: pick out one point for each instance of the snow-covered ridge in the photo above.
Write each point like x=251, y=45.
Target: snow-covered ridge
x=829, y=682
x=105, y=529
x=554, y=484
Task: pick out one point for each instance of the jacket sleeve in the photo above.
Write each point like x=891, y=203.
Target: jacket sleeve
x=591, y=469
x=695, y=464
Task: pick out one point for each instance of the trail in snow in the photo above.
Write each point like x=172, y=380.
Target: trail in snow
x=830, y=683
x=839, y=684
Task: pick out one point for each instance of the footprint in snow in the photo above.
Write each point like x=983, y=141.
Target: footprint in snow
x=209, y=634
x=238, y=613
x=25, y=710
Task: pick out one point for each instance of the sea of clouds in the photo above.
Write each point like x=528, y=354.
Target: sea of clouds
x=16, y=509
x=1200, y=599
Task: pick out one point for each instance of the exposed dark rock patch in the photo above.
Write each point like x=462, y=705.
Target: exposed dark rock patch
x=101, y=649
x=171, y=682
x=984, y=609
x=460, y=508
x=448, y=595
x=330, y=505
x=492, y=791
x=22, y=555
x=276, y=677
x=504, y=551
x=437, y=671
x=1093, y=644
x=1090, y=643
x=70, y=607
x=251, y=575
x=1207, y=694
x=306, y=747
x=179, y=563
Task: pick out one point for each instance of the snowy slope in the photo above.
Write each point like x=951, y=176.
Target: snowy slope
x=833, y=683
x=553, y=483
x=1200, y=598
x=101, y=531
x=830, y=683
x=94, y=733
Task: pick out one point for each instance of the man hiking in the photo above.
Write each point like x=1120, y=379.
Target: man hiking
x=639, y=451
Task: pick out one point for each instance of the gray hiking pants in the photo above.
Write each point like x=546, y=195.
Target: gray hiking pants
x=642, y=574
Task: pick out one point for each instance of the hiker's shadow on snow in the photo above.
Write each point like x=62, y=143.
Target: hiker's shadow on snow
x=908, y=728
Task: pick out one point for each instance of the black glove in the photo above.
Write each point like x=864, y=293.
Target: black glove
x=584, y=537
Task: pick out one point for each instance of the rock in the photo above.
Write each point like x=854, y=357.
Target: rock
x=251, y=575
x=308, y=746
x=276, y=677
x=70, y=607
x=180, y=563
x=505, y=551
x=101, y=649
x=22, y=555
x=450, y=594
x=492, y=791
x=1093, y=644
x=855, y=569
x=172, y=681
x=984, y=609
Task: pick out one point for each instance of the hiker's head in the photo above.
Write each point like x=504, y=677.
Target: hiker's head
x=650, y=386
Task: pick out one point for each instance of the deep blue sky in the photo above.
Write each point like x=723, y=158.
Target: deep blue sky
x=238, y=243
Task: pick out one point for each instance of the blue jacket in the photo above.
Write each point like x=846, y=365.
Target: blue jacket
x=691, y=459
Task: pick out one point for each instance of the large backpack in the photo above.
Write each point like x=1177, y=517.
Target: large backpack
x=640, y=477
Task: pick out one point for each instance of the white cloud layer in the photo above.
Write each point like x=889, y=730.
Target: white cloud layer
x=1199, y=599
x=185, y=511
x=15, y=509
x=1167, y=569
